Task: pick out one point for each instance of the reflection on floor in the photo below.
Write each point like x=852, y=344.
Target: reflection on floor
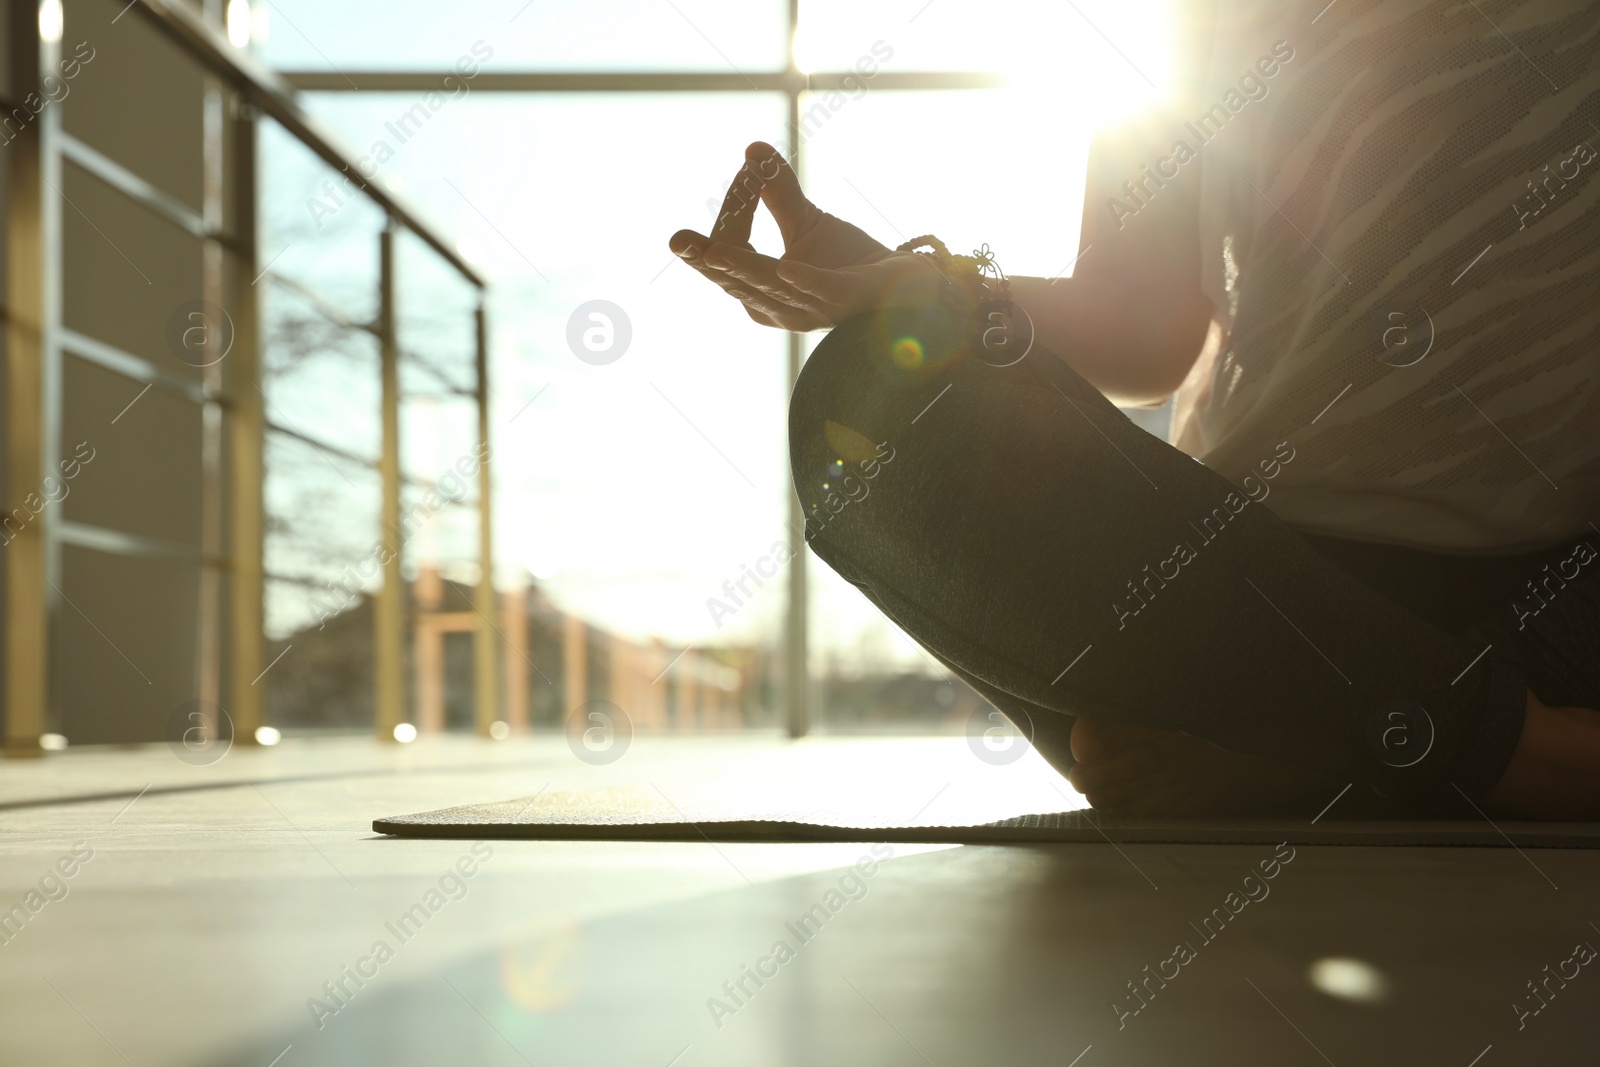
x=243, y=913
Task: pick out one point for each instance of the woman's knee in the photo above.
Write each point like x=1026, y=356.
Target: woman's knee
x=864, y=387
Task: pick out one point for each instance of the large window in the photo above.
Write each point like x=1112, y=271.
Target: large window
x=638, y=417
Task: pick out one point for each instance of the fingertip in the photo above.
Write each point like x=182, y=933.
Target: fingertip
x=687, y=244
x=767, y=163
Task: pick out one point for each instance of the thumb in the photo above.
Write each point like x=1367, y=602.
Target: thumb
x=780, y=190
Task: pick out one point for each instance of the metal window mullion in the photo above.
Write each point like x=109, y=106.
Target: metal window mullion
x=642, y=81
x=796, y=645
x=54, y=389
x=389, y=677
x=208, y=636
x=248, y=435
x=486, y=642
x=33, y=239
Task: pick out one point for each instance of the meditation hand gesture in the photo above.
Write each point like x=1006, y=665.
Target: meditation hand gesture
x=829, y=269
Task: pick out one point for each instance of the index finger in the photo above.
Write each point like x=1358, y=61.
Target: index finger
x=738, y=209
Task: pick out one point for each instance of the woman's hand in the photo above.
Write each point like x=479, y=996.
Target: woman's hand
x=829, y=269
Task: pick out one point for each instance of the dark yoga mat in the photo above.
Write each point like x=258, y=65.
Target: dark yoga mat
x=647, y=814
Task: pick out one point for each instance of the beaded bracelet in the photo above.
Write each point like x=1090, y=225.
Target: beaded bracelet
x=979, y=277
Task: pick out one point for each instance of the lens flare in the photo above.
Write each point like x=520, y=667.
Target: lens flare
x=544, y=975
x=50, y=20
x=848, y=445
x=906, y=352
x=1349, y=979
x=238, y=22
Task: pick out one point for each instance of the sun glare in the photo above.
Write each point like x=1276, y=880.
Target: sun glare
x=1102, y=60
x=1085, y=64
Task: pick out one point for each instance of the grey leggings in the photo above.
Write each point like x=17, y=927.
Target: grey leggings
x=1064, y=562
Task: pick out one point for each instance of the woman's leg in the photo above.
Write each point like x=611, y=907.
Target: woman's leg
x=1020, y=527
x=1132, y=770
x=1554, y=625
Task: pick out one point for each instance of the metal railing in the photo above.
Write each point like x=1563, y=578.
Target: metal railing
x=239, y=93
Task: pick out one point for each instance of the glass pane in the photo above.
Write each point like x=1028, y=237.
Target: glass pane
x=317, y=229
x=321, y=524
x=639, y=480
x=128, y=274
x=319, y=294
x=438, y=534
x=106, y=75
x=320, y=378
x=434, y=315
x=124, y=643
x=436, y=328
x=508, y=35
x=321, y=554
x=441, y=570
x=323, y=680
x=439, y=441
x=140, y=474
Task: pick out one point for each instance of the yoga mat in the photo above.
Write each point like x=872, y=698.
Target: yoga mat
x=643, y=813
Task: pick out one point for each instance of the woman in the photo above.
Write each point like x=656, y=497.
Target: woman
x=1362, y=253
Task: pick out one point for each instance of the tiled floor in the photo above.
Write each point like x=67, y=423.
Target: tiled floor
x=244, y=911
